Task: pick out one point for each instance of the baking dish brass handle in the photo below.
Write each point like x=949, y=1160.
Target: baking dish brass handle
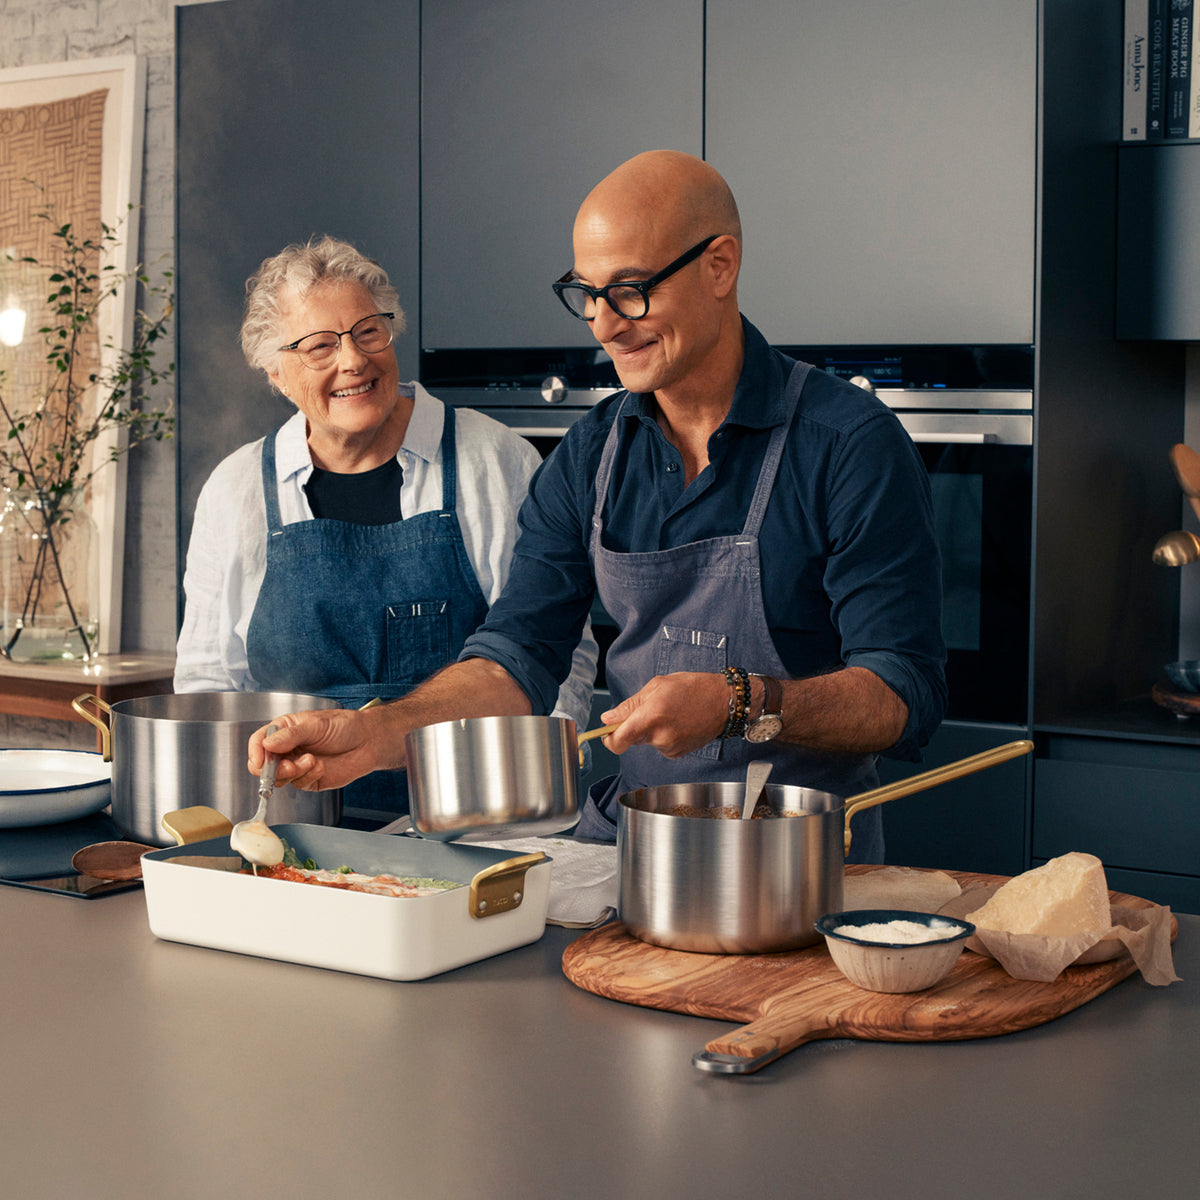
x=80, y=705
x=501, y=887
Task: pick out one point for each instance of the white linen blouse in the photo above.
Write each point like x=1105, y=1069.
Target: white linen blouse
x=227, y=554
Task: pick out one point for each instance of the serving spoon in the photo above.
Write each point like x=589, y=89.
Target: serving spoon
x=756, y=776
x=253, y=839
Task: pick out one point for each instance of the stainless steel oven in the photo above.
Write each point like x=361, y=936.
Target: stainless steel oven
x=969, y=409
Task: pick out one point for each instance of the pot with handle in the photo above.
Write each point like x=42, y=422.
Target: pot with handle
x=171, y=751
x=691, y=880
x=484, y=773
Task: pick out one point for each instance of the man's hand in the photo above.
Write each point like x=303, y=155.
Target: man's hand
x=849, y=711
x=675, y=714
x=326, y=748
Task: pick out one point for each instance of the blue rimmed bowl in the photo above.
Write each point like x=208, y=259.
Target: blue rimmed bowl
x=880, y=959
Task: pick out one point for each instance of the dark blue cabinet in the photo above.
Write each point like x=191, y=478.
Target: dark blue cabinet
x=976, y=823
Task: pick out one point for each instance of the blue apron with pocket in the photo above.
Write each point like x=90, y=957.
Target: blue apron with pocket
x=358, y=612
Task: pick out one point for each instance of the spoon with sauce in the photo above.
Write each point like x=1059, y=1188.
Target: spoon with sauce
x=254, y=839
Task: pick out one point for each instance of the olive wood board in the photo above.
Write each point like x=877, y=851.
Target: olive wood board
x=800, y=996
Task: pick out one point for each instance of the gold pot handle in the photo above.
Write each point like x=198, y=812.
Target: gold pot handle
x=501, y=887
x=80, y=705
x=594, y=733
x=928, y=779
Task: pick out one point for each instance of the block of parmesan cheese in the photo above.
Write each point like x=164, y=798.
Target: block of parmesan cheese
x=1066, y=896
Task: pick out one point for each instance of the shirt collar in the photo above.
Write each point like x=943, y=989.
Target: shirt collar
x=758, y=397
x=422, y=439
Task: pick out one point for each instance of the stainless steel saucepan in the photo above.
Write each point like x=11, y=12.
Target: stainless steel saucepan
x=483, y=773
x=692, y=880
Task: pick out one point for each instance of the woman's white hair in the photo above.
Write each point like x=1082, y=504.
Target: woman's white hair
x=295, y=271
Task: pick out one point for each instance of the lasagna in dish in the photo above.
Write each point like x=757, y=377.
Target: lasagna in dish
x=352, y=881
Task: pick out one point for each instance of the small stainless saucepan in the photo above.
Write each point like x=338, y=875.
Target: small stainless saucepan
x=717, y=886
x=485, y=773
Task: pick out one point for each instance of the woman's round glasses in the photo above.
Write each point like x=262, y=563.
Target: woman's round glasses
x=630, y=298
x=370, y=335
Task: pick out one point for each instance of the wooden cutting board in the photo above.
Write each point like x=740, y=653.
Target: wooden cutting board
x=800, y=996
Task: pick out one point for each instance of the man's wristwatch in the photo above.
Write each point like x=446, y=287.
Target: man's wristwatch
x=769, y=723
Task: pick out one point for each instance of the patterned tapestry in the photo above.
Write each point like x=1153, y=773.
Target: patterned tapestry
x=50, y=158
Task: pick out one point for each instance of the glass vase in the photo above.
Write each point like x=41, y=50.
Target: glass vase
x=49, y=578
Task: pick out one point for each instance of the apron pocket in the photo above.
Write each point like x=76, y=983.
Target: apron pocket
x=681, y=649
x=418, y=640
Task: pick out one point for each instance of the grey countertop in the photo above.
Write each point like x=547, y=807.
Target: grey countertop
x=127, y=1069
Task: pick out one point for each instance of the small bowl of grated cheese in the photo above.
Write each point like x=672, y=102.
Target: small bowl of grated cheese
x=889, y=950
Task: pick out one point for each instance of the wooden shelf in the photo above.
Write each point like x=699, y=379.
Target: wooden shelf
x=46, y=690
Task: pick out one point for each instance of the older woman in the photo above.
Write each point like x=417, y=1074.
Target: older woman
x=352, y=552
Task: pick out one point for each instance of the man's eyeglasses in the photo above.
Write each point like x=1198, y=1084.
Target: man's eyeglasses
x=630, y=298
x=370, y=335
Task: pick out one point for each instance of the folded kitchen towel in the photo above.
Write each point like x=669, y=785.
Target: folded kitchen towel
x=583, y=879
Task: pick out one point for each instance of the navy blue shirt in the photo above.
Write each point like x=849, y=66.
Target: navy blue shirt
x=851, y=569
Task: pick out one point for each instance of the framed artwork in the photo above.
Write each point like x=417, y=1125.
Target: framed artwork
x=71, y=138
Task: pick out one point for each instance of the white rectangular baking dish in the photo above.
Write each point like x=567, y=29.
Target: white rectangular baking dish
x=501, y=905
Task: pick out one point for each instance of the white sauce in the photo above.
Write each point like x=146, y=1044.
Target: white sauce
x=255, y=842
x=906, y=932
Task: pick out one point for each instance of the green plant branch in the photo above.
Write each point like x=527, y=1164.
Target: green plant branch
x=50, y=443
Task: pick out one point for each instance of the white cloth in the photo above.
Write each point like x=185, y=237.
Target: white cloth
x=583, y=878
x=227, y=555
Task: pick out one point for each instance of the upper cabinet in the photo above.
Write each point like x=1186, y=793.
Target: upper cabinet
x=1158, y=247
x=884, y=159
x=526, y=104
x=268, y=152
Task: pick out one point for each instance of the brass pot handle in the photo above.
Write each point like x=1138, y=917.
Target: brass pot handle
x=928, y=779
x=79, y=704
x=594, y=733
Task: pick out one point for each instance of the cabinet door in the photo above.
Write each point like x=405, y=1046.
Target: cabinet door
x=1158, y=252
x=884, y=159
x=291, y=121
x=526, y=104
x=976, y=823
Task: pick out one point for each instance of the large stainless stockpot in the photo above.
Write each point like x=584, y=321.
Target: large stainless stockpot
x=485, y=773
x=721, y=886
x=170, y=752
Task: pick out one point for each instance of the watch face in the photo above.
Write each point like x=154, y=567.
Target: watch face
x=765, y=728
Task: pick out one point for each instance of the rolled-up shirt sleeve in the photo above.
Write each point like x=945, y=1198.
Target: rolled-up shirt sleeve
x=882, y=573
x=534, y=627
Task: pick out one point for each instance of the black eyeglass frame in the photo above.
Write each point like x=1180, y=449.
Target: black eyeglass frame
x=641, y=286
x=295, y=346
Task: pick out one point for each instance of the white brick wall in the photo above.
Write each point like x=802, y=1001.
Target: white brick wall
x=51, y=31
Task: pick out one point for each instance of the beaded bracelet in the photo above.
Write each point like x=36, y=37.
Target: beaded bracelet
x=739, y=702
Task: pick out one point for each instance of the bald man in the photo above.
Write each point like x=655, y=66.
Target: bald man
x=761, y=533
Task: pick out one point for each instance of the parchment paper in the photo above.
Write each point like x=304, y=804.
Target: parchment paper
x=1143, y=933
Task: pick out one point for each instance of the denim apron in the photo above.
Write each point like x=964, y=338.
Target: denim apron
x=355, y=612
x=699, y=607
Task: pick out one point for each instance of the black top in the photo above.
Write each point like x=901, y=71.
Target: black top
x=367, y=498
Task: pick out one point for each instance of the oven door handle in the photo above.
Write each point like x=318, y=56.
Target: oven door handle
x=966, y=439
